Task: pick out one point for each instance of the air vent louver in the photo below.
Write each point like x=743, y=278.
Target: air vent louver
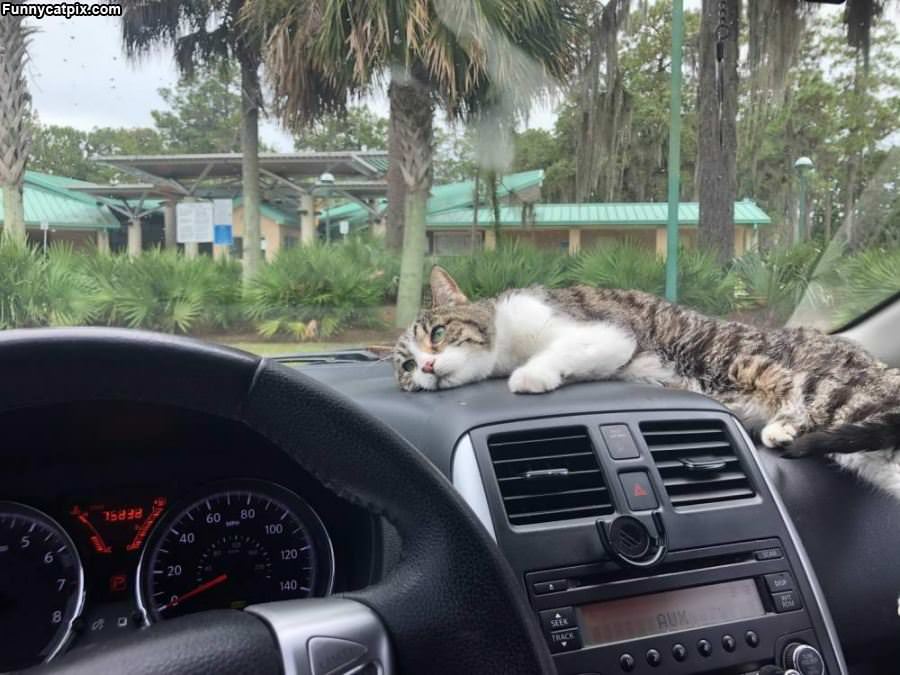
x=697, y=462
x=548, y=475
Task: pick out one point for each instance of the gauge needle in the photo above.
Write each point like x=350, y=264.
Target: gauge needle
x=205, y=586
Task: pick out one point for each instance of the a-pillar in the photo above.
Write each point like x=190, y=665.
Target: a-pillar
x=661, y=241
x=169, y=224
x=307, y=213
x=103, y=240
x=490, y=240
x=135, y=240
x=574, y=241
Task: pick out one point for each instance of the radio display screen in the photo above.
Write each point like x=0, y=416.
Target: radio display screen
x=670, y=611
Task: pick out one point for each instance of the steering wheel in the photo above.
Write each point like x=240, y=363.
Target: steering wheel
x=451, y=605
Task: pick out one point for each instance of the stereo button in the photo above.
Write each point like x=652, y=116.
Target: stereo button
x=704, y=647
x=769, y=554
x=752, y=638
x=567, y=640
x=654, y=658
x=787, y=601
x=679, y=652
x=780, y=581
x=556, y=586
x=728, y=643
x=626, y=662
x=557, y=619
x=619, y=441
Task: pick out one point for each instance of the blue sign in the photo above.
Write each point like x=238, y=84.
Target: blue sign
x=222, y=235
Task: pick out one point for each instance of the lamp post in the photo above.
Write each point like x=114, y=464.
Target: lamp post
x=327, y=180
x=803, y=166
x=674, y=161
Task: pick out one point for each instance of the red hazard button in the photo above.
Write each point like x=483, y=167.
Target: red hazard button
x=638, y=491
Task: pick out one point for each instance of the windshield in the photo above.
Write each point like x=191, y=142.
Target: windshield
x=280, y=176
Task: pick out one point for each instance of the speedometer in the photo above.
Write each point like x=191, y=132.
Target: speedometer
x=240, y=544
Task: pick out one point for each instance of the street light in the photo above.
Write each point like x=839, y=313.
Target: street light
x=327, y=180
x=803, y=166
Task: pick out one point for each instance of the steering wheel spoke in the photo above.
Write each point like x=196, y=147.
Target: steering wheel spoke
x=328, y=636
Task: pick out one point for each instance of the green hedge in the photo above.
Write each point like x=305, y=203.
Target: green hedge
x=308, y=292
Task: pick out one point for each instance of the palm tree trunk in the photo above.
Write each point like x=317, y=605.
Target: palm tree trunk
x=396, y=194
x=15, y=135
x=717, y=145
x=412, y=123
x=251, y=96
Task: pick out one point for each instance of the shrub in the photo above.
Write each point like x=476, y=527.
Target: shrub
x=704, y=284
x=510, y=265
x=775, y=282
x=622, y=265
x=164, y=291
x=39, y=290
x=868, y=278
x=315, y=290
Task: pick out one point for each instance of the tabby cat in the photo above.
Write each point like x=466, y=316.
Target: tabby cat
x=806, y=392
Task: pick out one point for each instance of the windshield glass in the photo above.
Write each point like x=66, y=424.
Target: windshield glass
x=280, y=176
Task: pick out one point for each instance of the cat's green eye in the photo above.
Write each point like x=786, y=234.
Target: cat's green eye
x=409, y=365
x=437, y=334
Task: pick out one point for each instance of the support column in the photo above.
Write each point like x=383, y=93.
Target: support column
x=169, y=223
x=221, y=252
x=191, y=250
x=490, y=240
x=307, y=220
x=661, y=242
x=740, y=241
x=574, y=241
x=103, y=241
x=135, y=238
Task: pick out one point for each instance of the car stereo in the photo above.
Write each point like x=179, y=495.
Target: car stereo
x=731, y=608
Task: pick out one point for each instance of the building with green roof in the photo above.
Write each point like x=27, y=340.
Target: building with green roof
x=451, y=219
x=67, y=215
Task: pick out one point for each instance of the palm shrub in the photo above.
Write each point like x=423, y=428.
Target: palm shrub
x=704, y=284
x=164, y=291
x=370, y=253
x=314, y=291
x=621, y=265
x=510, y=265
x=868, y=278
x=774, y=283
x=42, y=290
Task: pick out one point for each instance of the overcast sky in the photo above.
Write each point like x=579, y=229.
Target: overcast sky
x=79, y=77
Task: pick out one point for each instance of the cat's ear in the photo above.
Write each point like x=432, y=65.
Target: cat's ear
x=444, y=290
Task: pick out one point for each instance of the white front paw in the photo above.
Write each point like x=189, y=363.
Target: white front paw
x=778, y=434
x=530, y=379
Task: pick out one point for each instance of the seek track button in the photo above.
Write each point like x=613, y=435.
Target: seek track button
x=567, y=640
x=557, y=619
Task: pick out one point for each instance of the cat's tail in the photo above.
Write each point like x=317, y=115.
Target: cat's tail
x=879, y=432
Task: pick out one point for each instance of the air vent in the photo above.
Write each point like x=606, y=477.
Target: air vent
x=548, y=475
x=697, y=462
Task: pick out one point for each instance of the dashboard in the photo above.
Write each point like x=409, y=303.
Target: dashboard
x=640, y=523
x=113, y=516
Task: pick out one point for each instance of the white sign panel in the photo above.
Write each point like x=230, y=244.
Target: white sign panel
x=194, y=222
x=344, y=226
x=222, y=212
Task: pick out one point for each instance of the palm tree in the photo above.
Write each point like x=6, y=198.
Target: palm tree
x=15, y=134
x=468, y=57
x=204, y=32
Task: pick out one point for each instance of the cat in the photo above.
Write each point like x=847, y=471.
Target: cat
x=804, y=392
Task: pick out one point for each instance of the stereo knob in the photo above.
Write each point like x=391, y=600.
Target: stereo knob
x=804, y=658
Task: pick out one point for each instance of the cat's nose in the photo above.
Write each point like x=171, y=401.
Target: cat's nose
x=428, y=366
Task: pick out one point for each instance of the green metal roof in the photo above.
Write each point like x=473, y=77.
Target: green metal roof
x=273, y=213
x=47, y=200
x=647, y=214
x=443, y=197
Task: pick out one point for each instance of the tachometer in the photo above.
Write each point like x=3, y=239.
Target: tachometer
x=245, y=543
x=41, y=586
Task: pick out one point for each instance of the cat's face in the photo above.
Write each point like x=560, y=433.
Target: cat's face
x=448, y=345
